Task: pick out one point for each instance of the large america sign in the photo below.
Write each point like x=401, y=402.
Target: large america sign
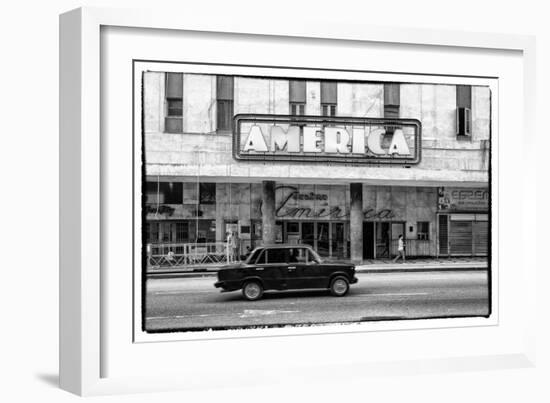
x=323, y=139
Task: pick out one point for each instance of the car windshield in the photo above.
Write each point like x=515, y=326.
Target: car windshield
x=253, y=256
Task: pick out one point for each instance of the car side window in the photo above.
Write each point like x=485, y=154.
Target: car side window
x=297, y=255
x=277, y=256
x=254, y=256
x=311, y=258
x=261, y=258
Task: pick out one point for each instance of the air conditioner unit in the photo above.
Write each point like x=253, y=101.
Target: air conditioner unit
x=463, y=122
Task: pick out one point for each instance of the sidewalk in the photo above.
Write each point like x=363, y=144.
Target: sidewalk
x=431, y=264
x=368, y=266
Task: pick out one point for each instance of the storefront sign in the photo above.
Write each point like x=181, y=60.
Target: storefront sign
x=461, y=199
x=326, y=139
x=291, y=206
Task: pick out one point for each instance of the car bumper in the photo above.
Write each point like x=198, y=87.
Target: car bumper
x=354, y=280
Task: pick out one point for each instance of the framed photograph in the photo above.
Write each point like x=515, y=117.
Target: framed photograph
x=277, y=199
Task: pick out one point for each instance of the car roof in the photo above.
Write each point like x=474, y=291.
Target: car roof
x=279, y=246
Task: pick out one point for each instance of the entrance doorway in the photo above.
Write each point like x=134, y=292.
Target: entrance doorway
x=383, y=236
x=380, y=238
x=368, y=240
x=328, y=238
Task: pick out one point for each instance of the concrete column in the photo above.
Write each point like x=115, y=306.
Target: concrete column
x=356, y=222
x=268, y=212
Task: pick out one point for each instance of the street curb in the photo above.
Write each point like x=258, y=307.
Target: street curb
x=422, y=269
x=211, y=273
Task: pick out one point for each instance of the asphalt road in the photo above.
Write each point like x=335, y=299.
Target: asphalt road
x=194, y=303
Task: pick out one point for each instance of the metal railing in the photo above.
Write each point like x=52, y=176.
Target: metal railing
x=413, y=247
x=166, y=255
x=188, y=254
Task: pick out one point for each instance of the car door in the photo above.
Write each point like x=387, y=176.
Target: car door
x=273, y=269
x=313, y=272
x=302, y=271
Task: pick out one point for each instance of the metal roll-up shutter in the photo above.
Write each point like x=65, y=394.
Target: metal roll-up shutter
x=443, y=235
x=297, y=91
x=481, y=238
x=460, y=237
x=329, y=92
x=174, y=85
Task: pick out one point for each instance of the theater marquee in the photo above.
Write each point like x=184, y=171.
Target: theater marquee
x=324, y=139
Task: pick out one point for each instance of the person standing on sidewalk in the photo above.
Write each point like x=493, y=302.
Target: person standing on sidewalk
x=400, y=249
x=236, y=246
x=230, y=246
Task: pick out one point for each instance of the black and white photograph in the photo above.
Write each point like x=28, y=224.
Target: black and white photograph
x=285, y=202
x=300, y=200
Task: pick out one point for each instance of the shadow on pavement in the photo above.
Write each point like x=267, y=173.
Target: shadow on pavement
x=49, y=379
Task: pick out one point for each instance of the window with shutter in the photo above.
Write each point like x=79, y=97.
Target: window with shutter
x=297, y=109
x=463, y=111
x=391, y=104
x=297, y=97
x=224, y=96
x=174, y=103
x=423, y=230
x=328, y=98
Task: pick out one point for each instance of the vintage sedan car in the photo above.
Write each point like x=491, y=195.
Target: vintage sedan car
x=285, y=267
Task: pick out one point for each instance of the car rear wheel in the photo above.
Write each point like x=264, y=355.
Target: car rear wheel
x=339, y=286
x=252, y=290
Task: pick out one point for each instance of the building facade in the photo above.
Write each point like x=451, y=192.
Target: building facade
x=196, y=191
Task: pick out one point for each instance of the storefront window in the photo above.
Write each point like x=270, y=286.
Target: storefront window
x=206, y=231
x=164, y=193
x=152, y=231
x=207, y=193
x=423, y=230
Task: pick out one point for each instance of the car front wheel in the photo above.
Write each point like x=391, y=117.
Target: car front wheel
x=253, y=290
x=339, y=286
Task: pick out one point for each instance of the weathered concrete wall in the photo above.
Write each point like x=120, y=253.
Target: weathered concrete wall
x=242, y=201
x=407, y=204
x=199, y=103
x=252, y=95
x=360, y=100
x=200, y=151
x=261, y=95
x=153, y=90
x=434, y=105
x=269, y=230
x=313, y=98
x=481, y=113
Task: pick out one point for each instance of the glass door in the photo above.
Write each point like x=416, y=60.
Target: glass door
x=323, y=244
x=338, y=241
x=397, y=228
x=382, y=240
x=308, y=233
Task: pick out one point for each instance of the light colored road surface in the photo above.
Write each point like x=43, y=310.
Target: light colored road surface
x=194, y=303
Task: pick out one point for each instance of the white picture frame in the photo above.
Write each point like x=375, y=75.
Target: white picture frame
x=93, y=362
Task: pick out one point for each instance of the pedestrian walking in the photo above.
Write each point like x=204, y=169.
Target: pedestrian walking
x=400, y=249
